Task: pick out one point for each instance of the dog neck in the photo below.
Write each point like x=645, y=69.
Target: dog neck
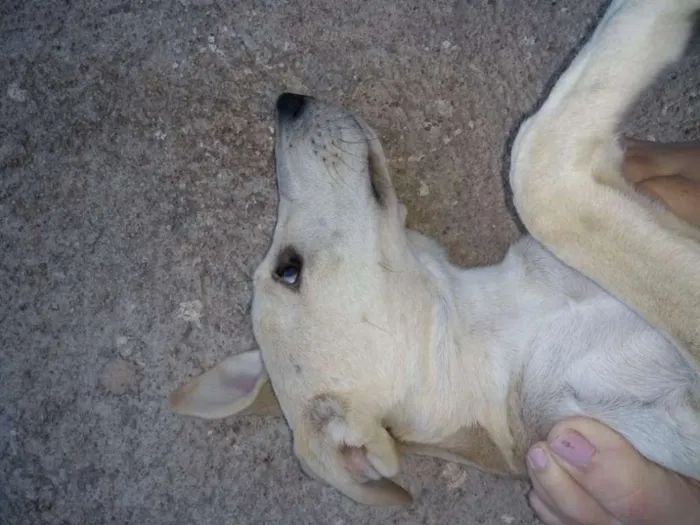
x=463, y=399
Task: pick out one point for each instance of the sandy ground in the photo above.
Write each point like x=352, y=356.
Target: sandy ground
x=137, y=196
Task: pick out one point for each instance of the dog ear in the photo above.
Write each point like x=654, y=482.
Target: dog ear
x=352, y=451
x=379, y=175
x=238, y=385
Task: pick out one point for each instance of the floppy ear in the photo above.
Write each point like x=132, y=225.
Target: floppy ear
x=238, y=385
x=352, y=451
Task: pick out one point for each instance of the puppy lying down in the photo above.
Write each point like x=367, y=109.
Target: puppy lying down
x=373, y=345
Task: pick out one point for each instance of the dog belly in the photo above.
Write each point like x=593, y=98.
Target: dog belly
x=599, y=359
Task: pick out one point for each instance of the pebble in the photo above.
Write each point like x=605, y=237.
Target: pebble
x=424, y=190
x=16, y=93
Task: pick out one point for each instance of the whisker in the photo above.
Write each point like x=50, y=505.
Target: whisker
x=344, y=150
x=346, y=164
x=334, y=179
x=365, y=320
x=363, y=141
x=386, y=267
x=341, y=118
x=339, y=177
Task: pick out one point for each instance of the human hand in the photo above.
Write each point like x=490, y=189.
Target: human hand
x=669, y=172
x=587, y=474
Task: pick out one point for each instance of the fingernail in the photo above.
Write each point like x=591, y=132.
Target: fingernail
x=537, y=458
x=573, y=447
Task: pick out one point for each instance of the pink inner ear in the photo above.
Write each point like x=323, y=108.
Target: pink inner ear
x=240, y=374
x=242, y=382
x=354, y=458
x=357, y=464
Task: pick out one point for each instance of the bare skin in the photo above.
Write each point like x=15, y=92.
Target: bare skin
x=667, y=171
x=585, y=473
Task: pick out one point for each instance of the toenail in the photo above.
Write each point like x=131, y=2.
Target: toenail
x=538, y=458
x=573, y=447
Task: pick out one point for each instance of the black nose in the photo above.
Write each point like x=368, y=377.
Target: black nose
x=290, y=105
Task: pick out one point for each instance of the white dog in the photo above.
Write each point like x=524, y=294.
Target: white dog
x=375, y=345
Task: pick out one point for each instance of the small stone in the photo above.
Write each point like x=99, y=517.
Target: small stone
x=424, y=190
x=444, y=108
x=123, y=346
x=16, y=93
x=248, y=42
x=455, y=475
x=190, y=311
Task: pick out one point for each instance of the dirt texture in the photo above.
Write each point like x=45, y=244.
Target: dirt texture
x=137, y=195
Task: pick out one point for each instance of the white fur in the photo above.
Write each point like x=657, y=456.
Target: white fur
x=386, y=343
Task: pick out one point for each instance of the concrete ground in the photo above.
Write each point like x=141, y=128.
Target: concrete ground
x=137, y=196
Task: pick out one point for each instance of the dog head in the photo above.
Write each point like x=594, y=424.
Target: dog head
x=330, y=307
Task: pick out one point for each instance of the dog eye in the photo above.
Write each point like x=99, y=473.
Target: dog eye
x=288, y=268
x=289, y=274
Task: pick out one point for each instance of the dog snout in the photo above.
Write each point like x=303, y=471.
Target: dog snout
x=290, y=106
